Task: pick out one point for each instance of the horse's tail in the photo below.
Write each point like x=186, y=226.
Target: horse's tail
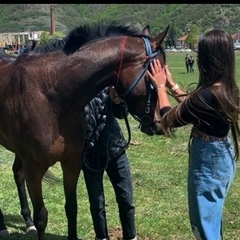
x=49, y=177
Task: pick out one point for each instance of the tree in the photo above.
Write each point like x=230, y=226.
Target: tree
x=46, y=36
x=171, y=37
x=193, y=35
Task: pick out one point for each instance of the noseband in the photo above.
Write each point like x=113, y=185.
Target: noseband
x=146, y=119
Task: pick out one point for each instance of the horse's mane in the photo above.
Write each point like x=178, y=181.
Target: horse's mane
x=90, y=32
x=52, y=46
x=84, y=34
x=7, y=57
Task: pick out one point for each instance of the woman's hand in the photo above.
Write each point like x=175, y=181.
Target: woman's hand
x=169, y=83
x=158, y=74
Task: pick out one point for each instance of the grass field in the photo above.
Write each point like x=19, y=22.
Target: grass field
x=159, y=171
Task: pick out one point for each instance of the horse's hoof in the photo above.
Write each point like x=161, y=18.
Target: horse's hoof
x=4, y=233
x=31, y=230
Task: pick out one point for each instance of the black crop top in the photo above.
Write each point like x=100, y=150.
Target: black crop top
x=208, y=119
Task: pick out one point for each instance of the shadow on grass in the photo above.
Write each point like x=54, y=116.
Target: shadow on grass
x=23, y=236
x=16, y=222
x=13, y=221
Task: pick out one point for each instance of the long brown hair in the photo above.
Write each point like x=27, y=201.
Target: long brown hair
x=216, y=63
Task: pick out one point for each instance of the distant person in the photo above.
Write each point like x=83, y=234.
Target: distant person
x=191, y=62
x=187, y=62
x=30, y=47
x=20, y=50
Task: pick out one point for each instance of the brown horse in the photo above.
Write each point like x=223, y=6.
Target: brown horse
x=42, y=98
x=53, y=45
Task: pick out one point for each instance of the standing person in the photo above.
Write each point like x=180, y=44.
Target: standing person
x=191, y=62
x=20, y=50
x=212, y=108
x=105, y=149
x=187, y=62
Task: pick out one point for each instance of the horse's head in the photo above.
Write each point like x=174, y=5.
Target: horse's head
x=126, y=52
x=133, y=84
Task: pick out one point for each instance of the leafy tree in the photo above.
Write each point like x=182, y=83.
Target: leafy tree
x=46, y=36
x=193, y=35
x=171, y=37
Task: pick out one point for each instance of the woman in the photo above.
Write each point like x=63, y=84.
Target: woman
x=212, y=108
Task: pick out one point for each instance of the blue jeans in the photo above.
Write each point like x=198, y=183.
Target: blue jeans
x=119, y=174
x=211, y=171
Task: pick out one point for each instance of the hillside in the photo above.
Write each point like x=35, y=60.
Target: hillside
x=33, y=17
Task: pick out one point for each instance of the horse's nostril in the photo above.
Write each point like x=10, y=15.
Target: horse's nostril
x=147, y=129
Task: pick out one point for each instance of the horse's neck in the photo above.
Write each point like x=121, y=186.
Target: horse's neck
x=88, y=72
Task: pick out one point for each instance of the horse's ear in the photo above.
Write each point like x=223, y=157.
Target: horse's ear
x=158, y=40
x=146, y=30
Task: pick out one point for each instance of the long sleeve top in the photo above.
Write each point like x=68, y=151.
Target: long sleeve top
x=200, y=109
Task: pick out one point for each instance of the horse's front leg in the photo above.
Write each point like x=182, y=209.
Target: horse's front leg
x=71, y=171
x=20, y=182
x=34, y=175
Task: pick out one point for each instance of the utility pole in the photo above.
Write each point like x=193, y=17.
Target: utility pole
x=238, y=36
x=52, y=17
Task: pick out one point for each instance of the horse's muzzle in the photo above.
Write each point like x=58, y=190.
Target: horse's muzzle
x=151, y=129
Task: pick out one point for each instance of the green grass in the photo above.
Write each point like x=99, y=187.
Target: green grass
x=159, y=172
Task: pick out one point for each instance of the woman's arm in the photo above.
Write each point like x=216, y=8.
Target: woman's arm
x=158, y=77
x=173, y=87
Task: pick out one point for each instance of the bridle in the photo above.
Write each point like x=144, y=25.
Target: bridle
x=146, y=118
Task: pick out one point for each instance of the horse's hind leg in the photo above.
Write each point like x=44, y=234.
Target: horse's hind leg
x=71, y=171
x=20, y=182
x=3, y=229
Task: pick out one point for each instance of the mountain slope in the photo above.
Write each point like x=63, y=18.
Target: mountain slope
x=33, y=17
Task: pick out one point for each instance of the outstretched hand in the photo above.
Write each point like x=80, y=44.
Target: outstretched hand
x=158, y=74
